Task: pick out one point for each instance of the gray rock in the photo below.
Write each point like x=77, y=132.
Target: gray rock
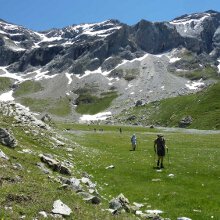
x=90, y=198
x=7, y=139
x=183, y=218
x=186, y=121
x=3, y=155
x=43, y=214
x=138, y=103
x=131, y=118
x=46, y=118
x=17, y=166
x=43, y=168
x=55, y=165
x=120, y=202
x=60, y=208
x=74, y=183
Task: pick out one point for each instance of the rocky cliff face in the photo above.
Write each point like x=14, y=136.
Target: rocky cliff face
x=111, y=55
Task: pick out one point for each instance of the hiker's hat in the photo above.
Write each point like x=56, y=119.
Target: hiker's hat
x=159, y=135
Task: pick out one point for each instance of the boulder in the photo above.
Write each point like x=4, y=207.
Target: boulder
x=73, y=183
x=185, y=121
x=131, y=118
x=7, y=139
x=90, y=198
x=138, y=103
x=55, y=165
x=46, y=118
x=60, y=208
x=119, y=203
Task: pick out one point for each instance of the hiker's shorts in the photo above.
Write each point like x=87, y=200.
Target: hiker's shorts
x=161, y=152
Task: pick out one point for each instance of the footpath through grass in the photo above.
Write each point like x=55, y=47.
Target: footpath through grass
x=193, y=191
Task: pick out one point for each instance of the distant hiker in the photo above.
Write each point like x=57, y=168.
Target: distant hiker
x=120, y=130
x=160, y=149
x=133, y=142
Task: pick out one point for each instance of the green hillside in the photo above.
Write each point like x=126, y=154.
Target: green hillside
x=203, y=107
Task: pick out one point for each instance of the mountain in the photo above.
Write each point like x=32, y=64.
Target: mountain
x=108, y=66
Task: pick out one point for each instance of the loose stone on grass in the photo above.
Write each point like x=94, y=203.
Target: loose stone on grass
x=7, y=139
x=3, y=155
x=55, y=165
x=60, y=208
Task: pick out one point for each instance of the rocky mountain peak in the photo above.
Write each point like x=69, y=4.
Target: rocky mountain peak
x=112, y=56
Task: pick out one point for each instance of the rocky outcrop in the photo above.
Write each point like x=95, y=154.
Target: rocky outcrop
x=7, y=139
x=79, y=48
x=55, y=165
x=119, y=203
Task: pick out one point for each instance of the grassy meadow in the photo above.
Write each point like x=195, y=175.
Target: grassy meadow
x=193, y=191
x=203, y=107
x=193, y=161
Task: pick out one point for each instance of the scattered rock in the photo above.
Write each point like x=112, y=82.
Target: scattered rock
x=131, y=118
x=171, y=175
x=156, y=212
x=138, y=205
x=46, y=118
x=74, y=183
x=17, y=166
x=43, y=214
x=185, y=122
x=43, y=168
x=55, y=165
x=119, y=203
x=60, y=208
x=90, y=198
x=88, y=182
x=183, y=218
x=138, y=103
x=7, y=139
x=3, y=155
x=156, y=180
x=110, y=167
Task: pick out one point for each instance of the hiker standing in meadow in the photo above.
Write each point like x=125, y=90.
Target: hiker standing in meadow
x=160, y=149
x=133, y=142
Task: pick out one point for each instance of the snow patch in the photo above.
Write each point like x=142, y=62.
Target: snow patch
x=7, y=96
x=174, y=59
x=219, y=65
x=195, y=84
x=99, y=116
x=10, y=75
x=69, y=77
x=43, y=75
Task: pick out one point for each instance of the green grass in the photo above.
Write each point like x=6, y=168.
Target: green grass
x=208, y=72
x=27, y=87
x=5, y=83
x=203, y=107
x=88, y=104
x=193, y=161
x=39, y=189
x=59, y=107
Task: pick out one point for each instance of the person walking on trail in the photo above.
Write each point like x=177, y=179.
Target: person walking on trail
x=160, y=149
x=133, y=142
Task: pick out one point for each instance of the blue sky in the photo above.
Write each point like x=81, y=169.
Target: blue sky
x=46, y=14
